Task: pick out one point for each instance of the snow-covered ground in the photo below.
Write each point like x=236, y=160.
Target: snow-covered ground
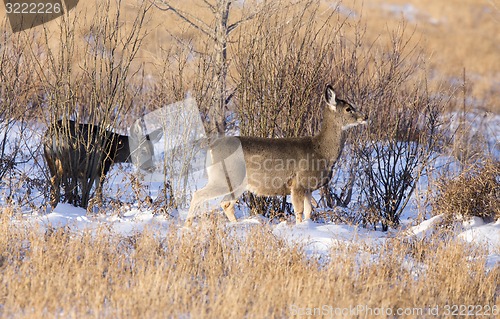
x=317, y=238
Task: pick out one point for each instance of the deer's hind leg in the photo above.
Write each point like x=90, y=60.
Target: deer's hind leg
x=228, y=207
x=307, y=205
x=298, y=197
x=210, y=191
x=56, y=172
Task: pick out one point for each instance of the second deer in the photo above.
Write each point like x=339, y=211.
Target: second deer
x=85, y=153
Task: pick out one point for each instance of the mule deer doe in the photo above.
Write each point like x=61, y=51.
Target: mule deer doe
x=87, y=151
x=280, y=166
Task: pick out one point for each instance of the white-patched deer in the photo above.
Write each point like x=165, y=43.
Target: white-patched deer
x=278, y=166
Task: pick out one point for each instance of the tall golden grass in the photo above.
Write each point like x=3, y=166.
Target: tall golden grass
x=217, y=271
x=458, y=37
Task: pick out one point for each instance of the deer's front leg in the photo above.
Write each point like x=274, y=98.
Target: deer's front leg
x=298, y=196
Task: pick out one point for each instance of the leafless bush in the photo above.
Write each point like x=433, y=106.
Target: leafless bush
x=19, y=98
x=390, y=171
x=394, y=156
x=389, y=155
x=89, y=83
x=474, y=192
x=282, y=65
x=282, y=69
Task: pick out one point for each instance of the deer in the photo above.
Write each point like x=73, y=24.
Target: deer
x=88, y=151
x=278, y=166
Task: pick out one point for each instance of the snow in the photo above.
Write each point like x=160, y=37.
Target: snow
x=65, y=214
x=486, y=235
x=77, y=219
x=316, y=238
x=321, y=238
x=410, y=13
x=426, y=228
x=476, y=231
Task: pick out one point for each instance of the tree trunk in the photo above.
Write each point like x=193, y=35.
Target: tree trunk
x=218, y=110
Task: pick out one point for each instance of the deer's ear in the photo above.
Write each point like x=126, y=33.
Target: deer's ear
x=136, y=129
x=330, y=98
x=156, y=135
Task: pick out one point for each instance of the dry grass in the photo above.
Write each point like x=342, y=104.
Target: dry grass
x=217, y=272
x=475, y=192
x=455, y=38
x=458, y=37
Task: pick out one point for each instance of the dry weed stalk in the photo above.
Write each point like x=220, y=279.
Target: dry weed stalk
x=474, y=192
x=223, y=272
x=87, y=80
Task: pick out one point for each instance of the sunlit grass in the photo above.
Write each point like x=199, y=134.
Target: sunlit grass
x=216, y=271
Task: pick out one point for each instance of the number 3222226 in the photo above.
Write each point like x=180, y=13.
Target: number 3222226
x=33, y=8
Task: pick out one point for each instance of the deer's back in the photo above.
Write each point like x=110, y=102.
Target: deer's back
x=75, y=145
x=274, y=166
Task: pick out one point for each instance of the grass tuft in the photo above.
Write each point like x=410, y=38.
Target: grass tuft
x=220, y=271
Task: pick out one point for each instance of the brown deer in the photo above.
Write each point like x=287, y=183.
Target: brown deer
x=85, y=152
x=278, y=166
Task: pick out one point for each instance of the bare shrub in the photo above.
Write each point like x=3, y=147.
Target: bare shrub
x=282, y=70
x=396, y=154
x=387, y=158
x=87, y=80
x=474, y=192
x=19, y=101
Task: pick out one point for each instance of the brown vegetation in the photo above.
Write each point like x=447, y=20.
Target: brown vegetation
x=104, y=65
x=474, y=192
x=113, y=62
x=214, y=272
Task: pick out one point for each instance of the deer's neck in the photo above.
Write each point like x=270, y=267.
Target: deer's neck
x=329, y=142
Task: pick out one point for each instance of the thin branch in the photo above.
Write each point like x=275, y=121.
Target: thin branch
x=234, y=25
x=267, y=8
x=188, y=44
x=190, y=19
x=211, y=6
